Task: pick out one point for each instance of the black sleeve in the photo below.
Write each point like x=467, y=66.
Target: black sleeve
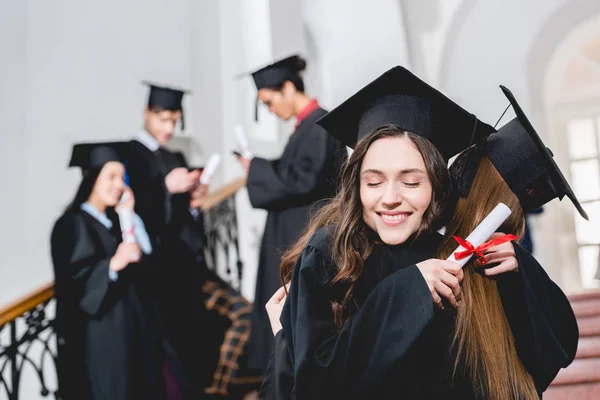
x=541, y=319
x=271, y=183
x=79, y=270
x=278, y=380
x=329, y=364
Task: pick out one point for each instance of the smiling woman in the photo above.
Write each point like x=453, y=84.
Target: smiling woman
x=396, y=184
x=394, y=189
x=364, y=283
x=111, y=343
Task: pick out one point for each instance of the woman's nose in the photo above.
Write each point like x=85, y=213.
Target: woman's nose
x=392, y=196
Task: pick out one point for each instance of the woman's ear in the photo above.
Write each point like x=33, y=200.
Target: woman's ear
x=288, y=89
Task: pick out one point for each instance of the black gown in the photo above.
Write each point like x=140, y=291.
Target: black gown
x=287, y=188
x=278, y=380
x=396, y=345
x=179, y=250
x=111, y=343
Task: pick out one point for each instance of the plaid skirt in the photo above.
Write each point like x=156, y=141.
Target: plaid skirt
x=231, y=377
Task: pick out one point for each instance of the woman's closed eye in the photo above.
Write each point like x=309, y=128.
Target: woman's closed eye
x=412, y=184
x=373, y=184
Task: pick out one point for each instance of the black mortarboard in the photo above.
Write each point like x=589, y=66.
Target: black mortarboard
x=522, y=159
x=166, y=98
x=274, y=75
x=94, y=155
x=400, y=98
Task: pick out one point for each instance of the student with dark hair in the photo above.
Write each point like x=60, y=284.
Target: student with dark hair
x=111, y=344
x=287, y=187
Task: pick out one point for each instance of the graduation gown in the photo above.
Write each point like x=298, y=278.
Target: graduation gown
x=167, y=217
x=287, y=188
x=278, y=380
x=110, y=343
x=396, y=345
x=179, y=249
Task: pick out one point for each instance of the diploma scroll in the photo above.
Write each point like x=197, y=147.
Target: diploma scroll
x=126, y=222
x=484, y=230
x=210, y=168
x=242, y=141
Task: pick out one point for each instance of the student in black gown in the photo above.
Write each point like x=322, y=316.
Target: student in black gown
x=403, y=193
x=111, y=344
x=510, y=335
x=287, y=187
x=516, y=328
x=163, y=188
x=190, y=294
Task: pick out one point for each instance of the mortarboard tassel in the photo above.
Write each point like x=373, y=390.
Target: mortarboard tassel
x=256, y=109
x=500, y=119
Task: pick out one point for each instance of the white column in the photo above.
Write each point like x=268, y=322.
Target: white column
x=356, y=41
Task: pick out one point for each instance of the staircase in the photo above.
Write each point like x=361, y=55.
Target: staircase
x=581, y=380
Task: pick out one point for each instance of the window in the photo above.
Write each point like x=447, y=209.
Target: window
x=583, y=137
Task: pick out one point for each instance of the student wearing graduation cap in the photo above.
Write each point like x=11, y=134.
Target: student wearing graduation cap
x=514, y=329
x=164, y=189
x=159, y=173
x=287, y=187
x=110, y=342
x=344, y=330
x=189, y=293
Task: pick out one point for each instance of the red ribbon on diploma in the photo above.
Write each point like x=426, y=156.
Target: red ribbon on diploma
x=129, y=232
x=478, y=251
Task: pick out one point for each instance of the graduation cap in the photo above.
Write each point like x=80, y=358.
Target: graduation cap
x=274, y=75
x=94, y=155
x=400, y=98
x=522, y=159
x=166, y=98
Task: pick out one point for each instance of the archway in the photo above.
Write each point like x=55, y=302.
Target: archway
x=564, y=72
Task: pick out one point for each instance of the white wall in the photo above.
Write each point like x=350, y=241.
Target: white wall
x=355, y=41
x=13, y=91
x=73, y=74
x=491, y=47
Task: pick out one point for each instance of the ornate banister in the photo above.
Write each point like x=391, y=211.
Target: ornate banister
x=221, y=232
x=16, y=308
x=218, y=196
x=27, y=340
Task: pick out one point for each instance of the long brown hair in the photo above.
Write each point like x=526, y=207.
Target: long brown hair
x=483, y=343
x=351, y=239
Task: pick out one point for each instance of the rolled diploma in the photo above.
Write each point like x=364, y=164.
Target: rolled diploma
x=211, y=167
x=243, y=141
x=126, y=222
x=484, y=230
